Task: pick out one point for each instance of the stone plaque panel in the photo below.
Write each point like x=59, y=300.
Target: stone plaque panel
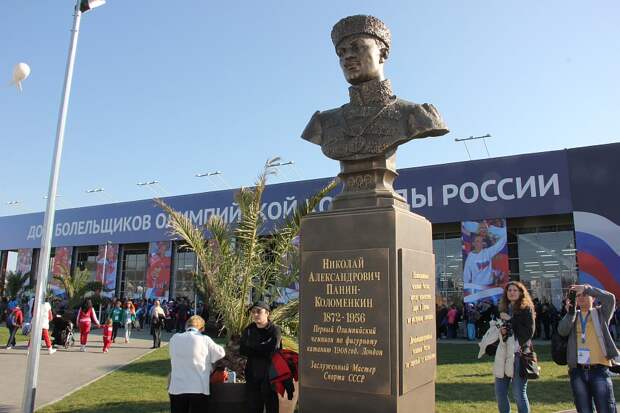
x=418, y=350
x=345, y=320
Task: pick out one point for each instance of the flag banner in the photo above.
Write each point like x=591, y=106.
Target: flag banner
x=24, y=260
x=158, y=273
x=107, y=275
x=86, y=5
x=485, y=259
x=61, y=266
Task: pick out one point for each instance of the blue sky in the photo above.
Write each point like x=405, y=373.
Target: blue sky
x=165, y=89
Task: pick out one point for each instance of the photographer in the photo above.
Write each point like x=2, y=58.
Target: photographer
x=517, y=313
x=590, y=347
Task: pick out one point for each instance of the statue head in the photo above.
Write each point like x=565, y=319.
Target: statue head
x=362, y=44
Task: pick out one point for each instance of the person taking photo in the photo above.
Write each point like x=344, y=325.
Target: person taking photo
x=590, y=348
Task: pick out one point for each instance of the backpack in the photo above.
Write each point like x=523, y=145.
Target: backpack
x=10, y=321
x=558, y=348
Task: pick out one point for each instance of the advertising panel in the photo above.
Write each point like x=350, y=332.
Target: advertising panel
x=24, y=260
x=485, y=259
x=107, y=262
x=594, y=184
x=62, y=265
x=514, y=186
x=158, y=273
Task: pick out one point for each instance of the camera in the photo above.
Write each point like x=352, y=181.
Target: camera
x=507, y=324
x=572, y=297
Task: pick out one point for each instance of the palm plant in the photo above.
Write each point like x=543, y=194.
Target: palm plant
x=238, y=263
x=76, y=285
x=15, y=282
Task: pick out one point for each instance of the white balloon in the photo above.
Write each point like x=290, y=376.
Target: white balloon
x=20, y=72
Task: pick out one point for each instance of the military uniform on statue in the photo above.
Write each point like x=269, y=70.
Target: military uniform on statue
x=367, y=264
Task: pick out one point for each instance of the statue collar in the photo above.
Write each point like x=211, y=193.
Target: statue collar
x=373, y=92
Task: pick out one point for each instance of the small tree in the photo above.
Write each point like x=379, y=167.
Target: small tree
x=239, y=263
x=75, y=286
x=15, y=282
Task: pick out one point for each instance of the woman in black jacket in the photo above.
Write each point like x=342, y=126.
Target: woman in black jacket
x=517, y=310
x=258, y=342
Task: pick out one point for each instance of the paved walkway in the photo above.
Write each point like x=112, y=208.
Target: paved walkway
x=66, y=370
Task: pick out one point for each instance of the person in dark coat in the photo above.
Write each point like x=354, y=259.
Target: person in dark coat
x=259, y=341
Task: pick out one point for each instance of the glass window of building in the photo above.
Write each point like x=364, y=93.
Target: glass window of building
x=449, y=266
x=184, y=268
x=133, y=275
x=547, y=263
x=87, y=260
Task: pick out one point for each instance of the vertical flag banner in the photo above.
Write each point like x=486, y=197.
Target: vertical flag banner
x=107, y=276
x=62, y=265
x=24, y=260
x=598, y=246
x=158, y=273
x=485, y=259
x=594, y=188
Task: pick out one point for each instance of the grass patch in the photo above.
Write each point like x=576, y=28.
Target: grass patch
x=4, y=336
x=464, y=385
x=139, y=387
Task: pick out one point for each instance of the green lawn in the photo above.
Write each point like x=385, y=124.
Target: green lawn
x=464, y=385
x=4, y=336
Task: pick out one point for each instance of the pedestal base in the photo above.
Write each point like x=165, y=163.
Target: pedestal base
x=367, y=327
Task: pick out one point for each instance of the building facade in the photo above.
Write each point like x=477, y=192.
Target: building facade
x=559, y=210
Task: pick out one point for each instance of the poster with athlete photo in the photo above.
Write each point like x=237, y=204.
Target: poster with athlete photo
x=158, y=273
x=107, y=276
x=62, y=265
x=24, y=260
x=485, y=259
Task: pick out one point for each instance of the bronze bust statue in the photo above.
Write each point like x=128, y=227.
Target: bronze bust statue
x=364, y=133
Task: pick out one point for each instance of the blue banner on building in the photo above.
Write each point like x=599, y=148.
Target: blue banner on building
x=515, y=186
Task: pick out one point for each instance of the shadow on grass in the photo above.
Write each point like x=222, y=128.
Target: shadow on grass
x=119, y=407
x=156, y=368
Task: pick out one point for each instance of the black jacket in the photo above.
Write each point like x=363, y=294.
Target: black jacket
x=258, y=345
x=523, y=326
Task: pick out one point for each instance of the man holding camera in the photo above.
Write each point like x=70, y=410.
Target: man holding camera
x=590, y=348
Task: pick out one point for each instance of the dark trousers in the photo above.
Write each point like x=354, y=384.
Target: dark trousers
x=115, y=326
x=261, y=397
x=156, y=331
x=189, y=403
x=12, y=332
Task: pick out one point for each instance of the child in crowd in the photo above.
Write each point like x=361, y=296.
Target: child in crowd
x=107, y=335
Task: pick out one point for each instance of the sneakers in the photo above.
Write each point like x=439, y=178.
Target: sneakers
x=51, y=350
x=105, y=350
x=9, y=347
x=83, y=349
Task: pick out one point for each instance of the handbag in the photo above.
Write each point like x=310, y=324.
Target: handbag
x=559, y=345
x=529, y=365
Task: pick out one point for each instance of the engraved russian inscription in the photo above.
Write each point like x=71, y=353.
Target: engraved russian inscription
x=418, y=346
x=346, y=342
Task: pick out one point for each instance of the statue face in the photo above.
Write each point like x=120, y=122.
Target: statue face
x=361, y=58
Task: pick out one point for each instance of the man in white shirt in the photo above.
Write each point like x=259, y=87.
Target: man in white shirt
x=478, y=269
x=191, y=356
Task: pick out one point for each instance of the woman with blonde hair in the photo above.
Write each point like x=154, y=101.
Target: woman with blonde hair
x=518, y=314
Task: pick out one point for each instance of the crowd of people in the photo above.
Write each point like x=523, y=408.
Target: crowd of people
x=586, y=321
x=471, y=321
x=59, y=320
